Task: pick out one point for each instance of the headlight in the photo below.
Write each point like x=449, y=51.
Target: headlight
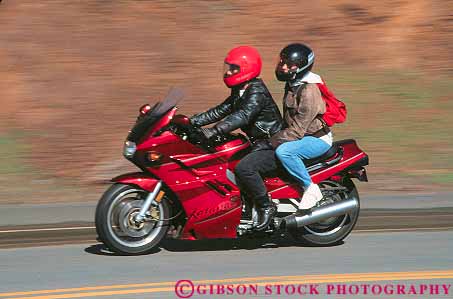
x=129, y=149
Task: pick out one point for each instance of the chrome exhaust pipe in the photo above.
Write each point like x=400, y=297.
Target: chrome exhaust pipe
x=332, y=210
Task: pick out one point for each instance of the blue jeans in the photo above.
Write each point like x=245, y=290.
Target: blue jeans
x=291, y=154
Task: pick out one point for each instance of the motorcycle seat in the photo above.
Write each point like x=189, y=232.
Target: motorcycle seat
x=327, y=155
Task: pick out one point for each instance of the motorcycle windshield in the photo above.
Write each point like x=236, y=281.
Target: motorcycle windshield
x=144, y=123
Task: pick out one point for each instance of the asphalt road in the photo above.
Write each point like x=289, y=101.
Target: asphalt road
x=402, y=249
x=55, y=213
x=424, y=257
x=47, y=224
x=369, y=221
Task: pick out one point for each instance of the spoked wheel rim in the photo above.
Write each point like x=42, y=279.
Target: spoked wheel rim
x=120, y=218
x=330, y=225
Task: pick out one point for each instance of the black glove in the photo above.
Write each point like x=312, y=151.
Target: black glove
x=210, y=132
x=191, y=121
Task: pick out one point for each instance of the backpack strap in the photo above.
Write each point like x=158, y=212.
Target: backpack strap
x=324, y=124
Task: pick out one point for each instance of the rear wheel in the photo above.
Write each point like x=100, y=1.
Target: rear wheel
x=115, y=225
x=332, y=230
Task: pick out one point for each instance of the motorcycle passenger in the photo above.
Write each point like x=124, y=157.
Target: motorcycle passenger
x=251, y=108
x=305, y=135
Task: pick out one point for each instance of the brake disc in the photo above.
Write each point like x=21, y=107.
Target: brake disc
x=126, y=219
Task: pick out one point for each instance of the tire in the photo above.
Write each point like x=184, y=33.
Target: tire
x=117, y=205
x=336, y=228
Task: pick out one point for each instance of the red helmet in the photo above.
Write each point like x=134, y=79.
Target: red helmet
x=241, y=65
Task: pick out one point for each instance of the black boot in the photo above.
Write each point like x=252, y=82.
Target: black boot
x=266, y=212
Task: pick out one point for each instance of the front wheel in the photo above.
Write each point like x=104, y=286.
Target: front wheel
x=115, y=225
x=332, y=230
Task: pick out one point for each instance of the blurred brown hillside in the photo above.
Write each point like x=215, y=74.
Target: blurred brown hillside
x=73, y=74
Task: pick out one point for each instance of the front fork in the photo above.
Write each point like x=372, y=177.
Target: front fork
x=153, y=197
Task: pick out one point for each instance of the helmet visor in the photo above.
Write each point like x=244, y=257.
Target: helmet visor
x=285, y=70
x=286, y=66
x=230, y=69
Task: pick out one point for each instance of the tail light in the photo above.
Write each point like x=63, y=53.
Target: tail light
x=359, y=174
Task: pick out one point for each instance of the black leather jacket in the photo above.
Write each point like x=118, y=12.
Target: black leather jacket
x=255, y=113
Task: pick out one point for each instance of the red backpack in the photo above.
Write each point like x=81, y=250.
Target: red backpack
x=335, y=109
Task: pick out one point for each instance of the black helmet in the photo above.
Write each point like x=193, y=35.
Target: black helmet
x=298, y=59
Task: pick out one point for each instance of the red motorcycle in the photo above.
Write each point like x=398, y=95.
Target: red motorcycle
x=187, y=190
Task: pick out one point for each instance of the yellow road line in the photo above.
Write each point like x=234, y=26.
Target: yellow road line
x=260, y=281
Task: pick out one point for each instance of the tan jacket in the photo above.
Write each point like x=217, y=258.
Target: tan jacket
x=300, y=116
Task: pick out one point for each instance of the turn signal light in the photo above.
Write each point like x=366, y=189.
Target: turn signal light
x=145, y=109
x=153, y=156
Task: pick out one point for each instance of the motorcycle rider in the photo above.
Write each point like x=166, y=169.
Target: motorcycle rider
x=305, y=135
x=251, y=108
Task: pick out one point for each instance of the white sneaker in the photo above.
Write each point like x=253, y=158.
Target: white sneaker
x=311, y=197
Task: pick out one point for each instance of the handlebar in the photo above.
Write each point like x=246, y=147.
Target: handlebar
x=195, y=135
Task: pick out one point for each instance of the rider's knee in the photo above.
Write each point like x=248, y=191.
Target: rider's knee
x=282, y=151
x=242, y=169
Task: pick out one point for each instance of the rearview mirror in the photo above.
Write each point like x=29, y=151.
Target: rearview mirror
x=180, y=119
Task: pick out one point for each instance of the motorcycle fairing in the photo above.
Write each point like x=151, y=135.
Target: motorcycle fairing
x=139, y=179
x=199, y=180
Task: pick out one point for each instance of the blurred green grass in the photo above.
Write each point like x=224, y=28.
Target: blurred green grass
x=402, y=119
x=21, y=182
x=444, y=178
x=12, y=151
